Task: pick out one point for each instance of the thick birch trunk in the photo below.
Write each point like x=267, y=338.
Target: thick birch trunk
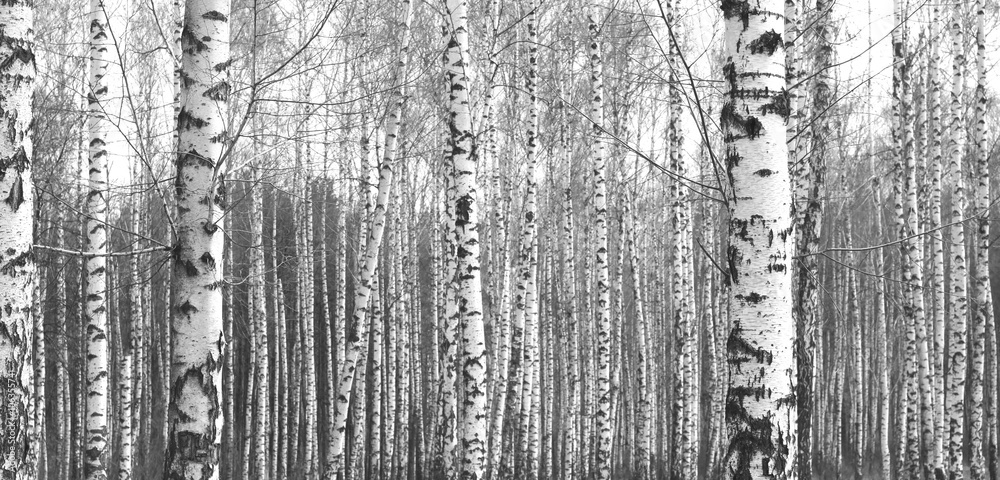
x=197, y=344
x=468, y=292
x=761, y=428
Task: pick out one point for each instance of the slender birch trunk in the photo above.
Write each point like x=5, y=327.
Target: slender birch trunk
x=258, y=315
x=809, y=172
x=328, y=321
x=125, y=418
x=228, y=372
x=914, y=252
x=937, y=247
x=392, y=311
x=958, y=308
x=603, y=316
x=104, y=89
x=982, y=323
x=375, y=362
x=64, y=406
x=528, y=362
x=572, y=446
x=197, y=343
x=761, y=428
x=645, y=419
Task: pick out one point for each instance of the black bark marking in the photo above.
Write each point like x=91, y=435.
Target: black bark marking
x=193, y=42
x=218, y=92
x=215, y=15
x=221, y=67
x=19, y=162
x=753, y=127
x=208, y=260
x=779, y=104
x=186, y=121
x=187, y=308
x=768, y=42
x=16, y=196
x=189, y=268
x=20, y=51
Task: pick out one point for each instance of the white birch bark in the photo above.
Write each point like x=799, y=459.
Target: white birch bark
x=937, y=246
x=375, y=361
x=308, y=323
x=125, y=420
x=982, y=323
x=103, y=92
x=63, y=414
x=958, y=301
x=603, y=314
x=643, y=403
x=468, y=294
x=572, y=443
x=197, y=343
x=761, y=428
x=914, y=252
x=809, y=173
x=528, y=362
x=258, y=314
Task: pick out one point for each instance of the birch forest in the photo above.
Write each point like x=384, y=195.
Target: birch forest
x=486, y=239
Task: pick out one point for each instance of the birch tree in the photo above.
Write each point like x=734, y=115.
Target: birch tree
x=197, y=344
x=104, y=90
x=603, y=311
x=982, y=318
x=17, y=81
x=761, y=428
x=468, y=292
x=958, y=300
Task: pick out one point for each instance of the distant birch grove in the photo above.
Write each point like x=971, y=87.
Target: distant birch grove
x=487, y=240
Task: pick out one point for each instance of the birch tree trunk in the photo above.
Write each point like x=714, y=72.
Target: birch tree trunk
x=125, y=419
x=197, y=343
x=258, y=317
x=642, y=365
x=809, y=180
x=958, y=301
x=937, y=247
x=603, y=314
x=64, y=406
x=761, y=428
x=571, y=448
x=983, y=315
x=468, y=293
x=914, y=250
x=104, y=90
